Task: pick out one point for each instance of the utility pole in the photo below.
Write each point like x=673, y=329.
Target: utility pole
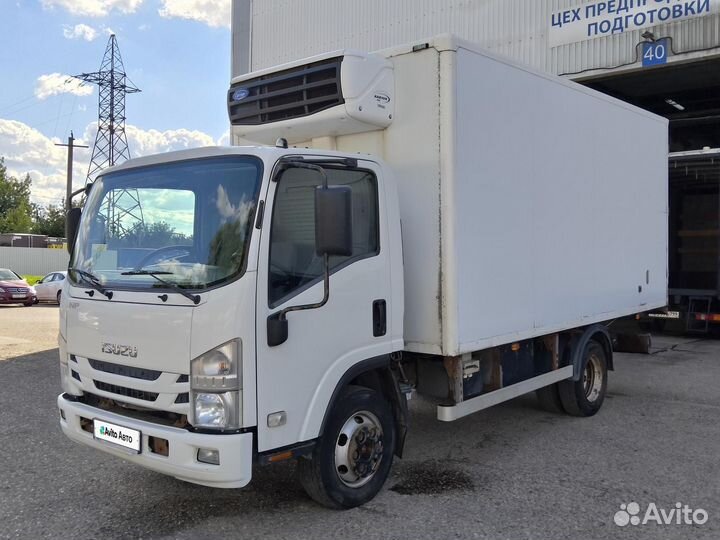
x=70, y=146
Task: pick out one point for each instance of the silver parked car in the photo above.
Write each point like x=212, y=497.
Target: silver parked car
x=48, y=289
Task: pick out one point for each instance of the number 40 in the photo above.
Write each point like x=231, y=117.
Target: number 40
x=655, y=52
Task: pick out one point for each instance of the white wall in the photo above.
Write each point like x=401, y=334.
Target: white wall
x=33, y=261
x=286, y=30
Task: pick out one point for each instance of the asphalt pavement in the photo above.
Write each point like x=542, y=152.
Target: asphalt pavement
x=513, y=471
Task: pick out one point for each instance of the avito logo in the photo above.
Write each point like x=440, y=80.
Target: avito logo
x=629, y=514
x=110, y=432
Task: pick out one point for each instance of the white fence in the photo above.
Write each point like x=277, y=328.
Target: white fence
x=33, y=261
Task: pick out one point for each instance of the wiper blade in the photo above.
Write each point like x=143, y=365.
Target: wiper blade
x=195, y=298
x=146, y=273
x=93, y=281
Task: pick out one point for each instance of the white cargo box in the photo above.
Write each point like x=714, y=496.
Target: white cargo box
x=529, y=204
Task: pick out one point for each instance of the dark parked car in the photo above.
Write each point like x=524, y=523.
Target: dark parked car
x=15, y=290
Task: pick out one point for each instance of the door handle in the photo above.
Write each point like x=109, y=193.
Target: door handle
x=379, y=309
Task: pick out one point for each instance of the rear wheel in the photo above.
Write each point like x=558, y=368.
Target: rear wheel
x=352, y=459
x=58, y=295
x=586, y=396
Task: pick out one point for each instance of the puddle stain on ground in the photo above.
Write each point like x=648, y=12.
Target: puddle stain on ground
x=431, y=478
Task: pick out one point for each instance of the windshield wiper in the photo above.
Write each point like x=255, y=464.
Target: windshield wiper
x=195, y=298
x=93, y=281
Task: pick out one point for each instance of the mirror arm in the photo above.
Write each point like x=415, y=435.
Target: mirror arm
x=326, y=278
x=299, y=165
x=326, y=294
x=77, y=192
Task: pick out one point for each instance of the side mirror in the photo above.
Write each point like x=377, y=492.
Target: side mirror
x=72, y=222
x=333, y=220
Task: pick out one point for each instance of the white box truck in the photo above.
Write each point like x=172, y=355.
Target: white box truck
x=433, y=219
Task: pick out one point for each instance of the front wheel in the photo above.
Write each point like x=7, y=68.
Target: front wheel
x=352, y=458
x=586, y=396
x=58, y=296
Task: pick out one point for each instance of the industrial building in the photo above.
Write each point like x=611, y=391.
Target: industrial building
x=662, y=55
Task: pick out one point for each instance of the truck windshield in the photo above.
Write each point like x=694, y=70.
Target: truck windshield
x=188, y=221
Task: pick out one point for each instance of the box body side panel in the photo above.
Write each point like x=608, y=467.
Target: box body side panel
x=559, y=202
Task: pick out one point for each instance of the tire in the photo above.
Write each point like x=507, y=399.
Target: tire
x=549, y=399
x=28, y=304
x=586, y=396
x=334, y=476
x=58, y=296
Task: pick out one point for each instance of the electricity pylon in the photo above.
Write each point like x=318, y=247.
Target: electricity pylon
x=120, y=207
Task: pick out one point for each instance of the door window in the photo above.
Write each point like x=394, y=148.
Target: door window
x=294, y=263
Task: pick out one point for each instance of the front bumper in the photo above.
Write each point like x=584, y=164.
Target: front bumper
x=24, y=300
x=236, y=451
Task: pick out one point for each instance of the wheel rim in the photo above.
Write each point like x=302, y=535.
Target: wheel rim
x=593, y=377
x=359, y=449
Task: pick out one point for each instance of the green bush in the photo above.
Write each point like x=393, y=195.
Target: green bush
x=32, y=280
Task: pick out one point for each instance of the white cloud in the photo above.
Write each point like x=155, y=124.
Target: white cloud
x=215, y=13
x=94, y=8
x=27, y=150
x=57, y=83
x=80, y=31
x=143, y=143
x=224, y=139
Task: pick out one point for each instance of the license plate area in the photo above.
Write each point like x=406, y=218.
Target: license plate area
x=117, y=435
x=19, y=295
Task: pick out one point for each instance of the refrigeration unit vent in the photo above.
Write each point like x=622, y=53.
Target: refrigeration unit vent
x=284, y=95
x=337, y=93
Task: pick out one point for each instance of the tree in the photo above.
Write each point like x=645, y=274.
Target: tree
x=154, y=235
x=50, y=220
x=15, y=207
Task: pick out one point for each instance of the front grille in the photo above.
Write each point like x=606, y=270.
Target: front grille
x=292, y=93
x=125, y=371
x=127, y=392
x=17, y=290
x=183, y=398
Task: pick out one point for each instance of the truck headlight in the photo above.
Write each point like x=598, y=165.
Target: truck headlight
x=215, y=387
x=216, y=410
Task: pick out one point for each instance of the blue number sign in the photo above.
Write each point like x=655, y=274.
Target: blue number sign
x=655, y=53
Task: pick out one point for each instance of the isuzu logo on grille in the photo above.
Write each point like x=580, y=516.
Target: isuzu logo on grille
x=119, y=350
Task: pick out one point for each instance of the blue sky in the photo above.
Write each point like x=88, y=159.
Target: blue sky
x=176, y=51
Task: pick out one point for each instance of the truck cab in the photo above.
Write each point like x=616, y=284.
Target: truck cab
x=182, y=266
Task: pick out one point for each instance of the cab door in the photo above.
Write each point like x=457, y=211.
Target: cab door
x=296, y=379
